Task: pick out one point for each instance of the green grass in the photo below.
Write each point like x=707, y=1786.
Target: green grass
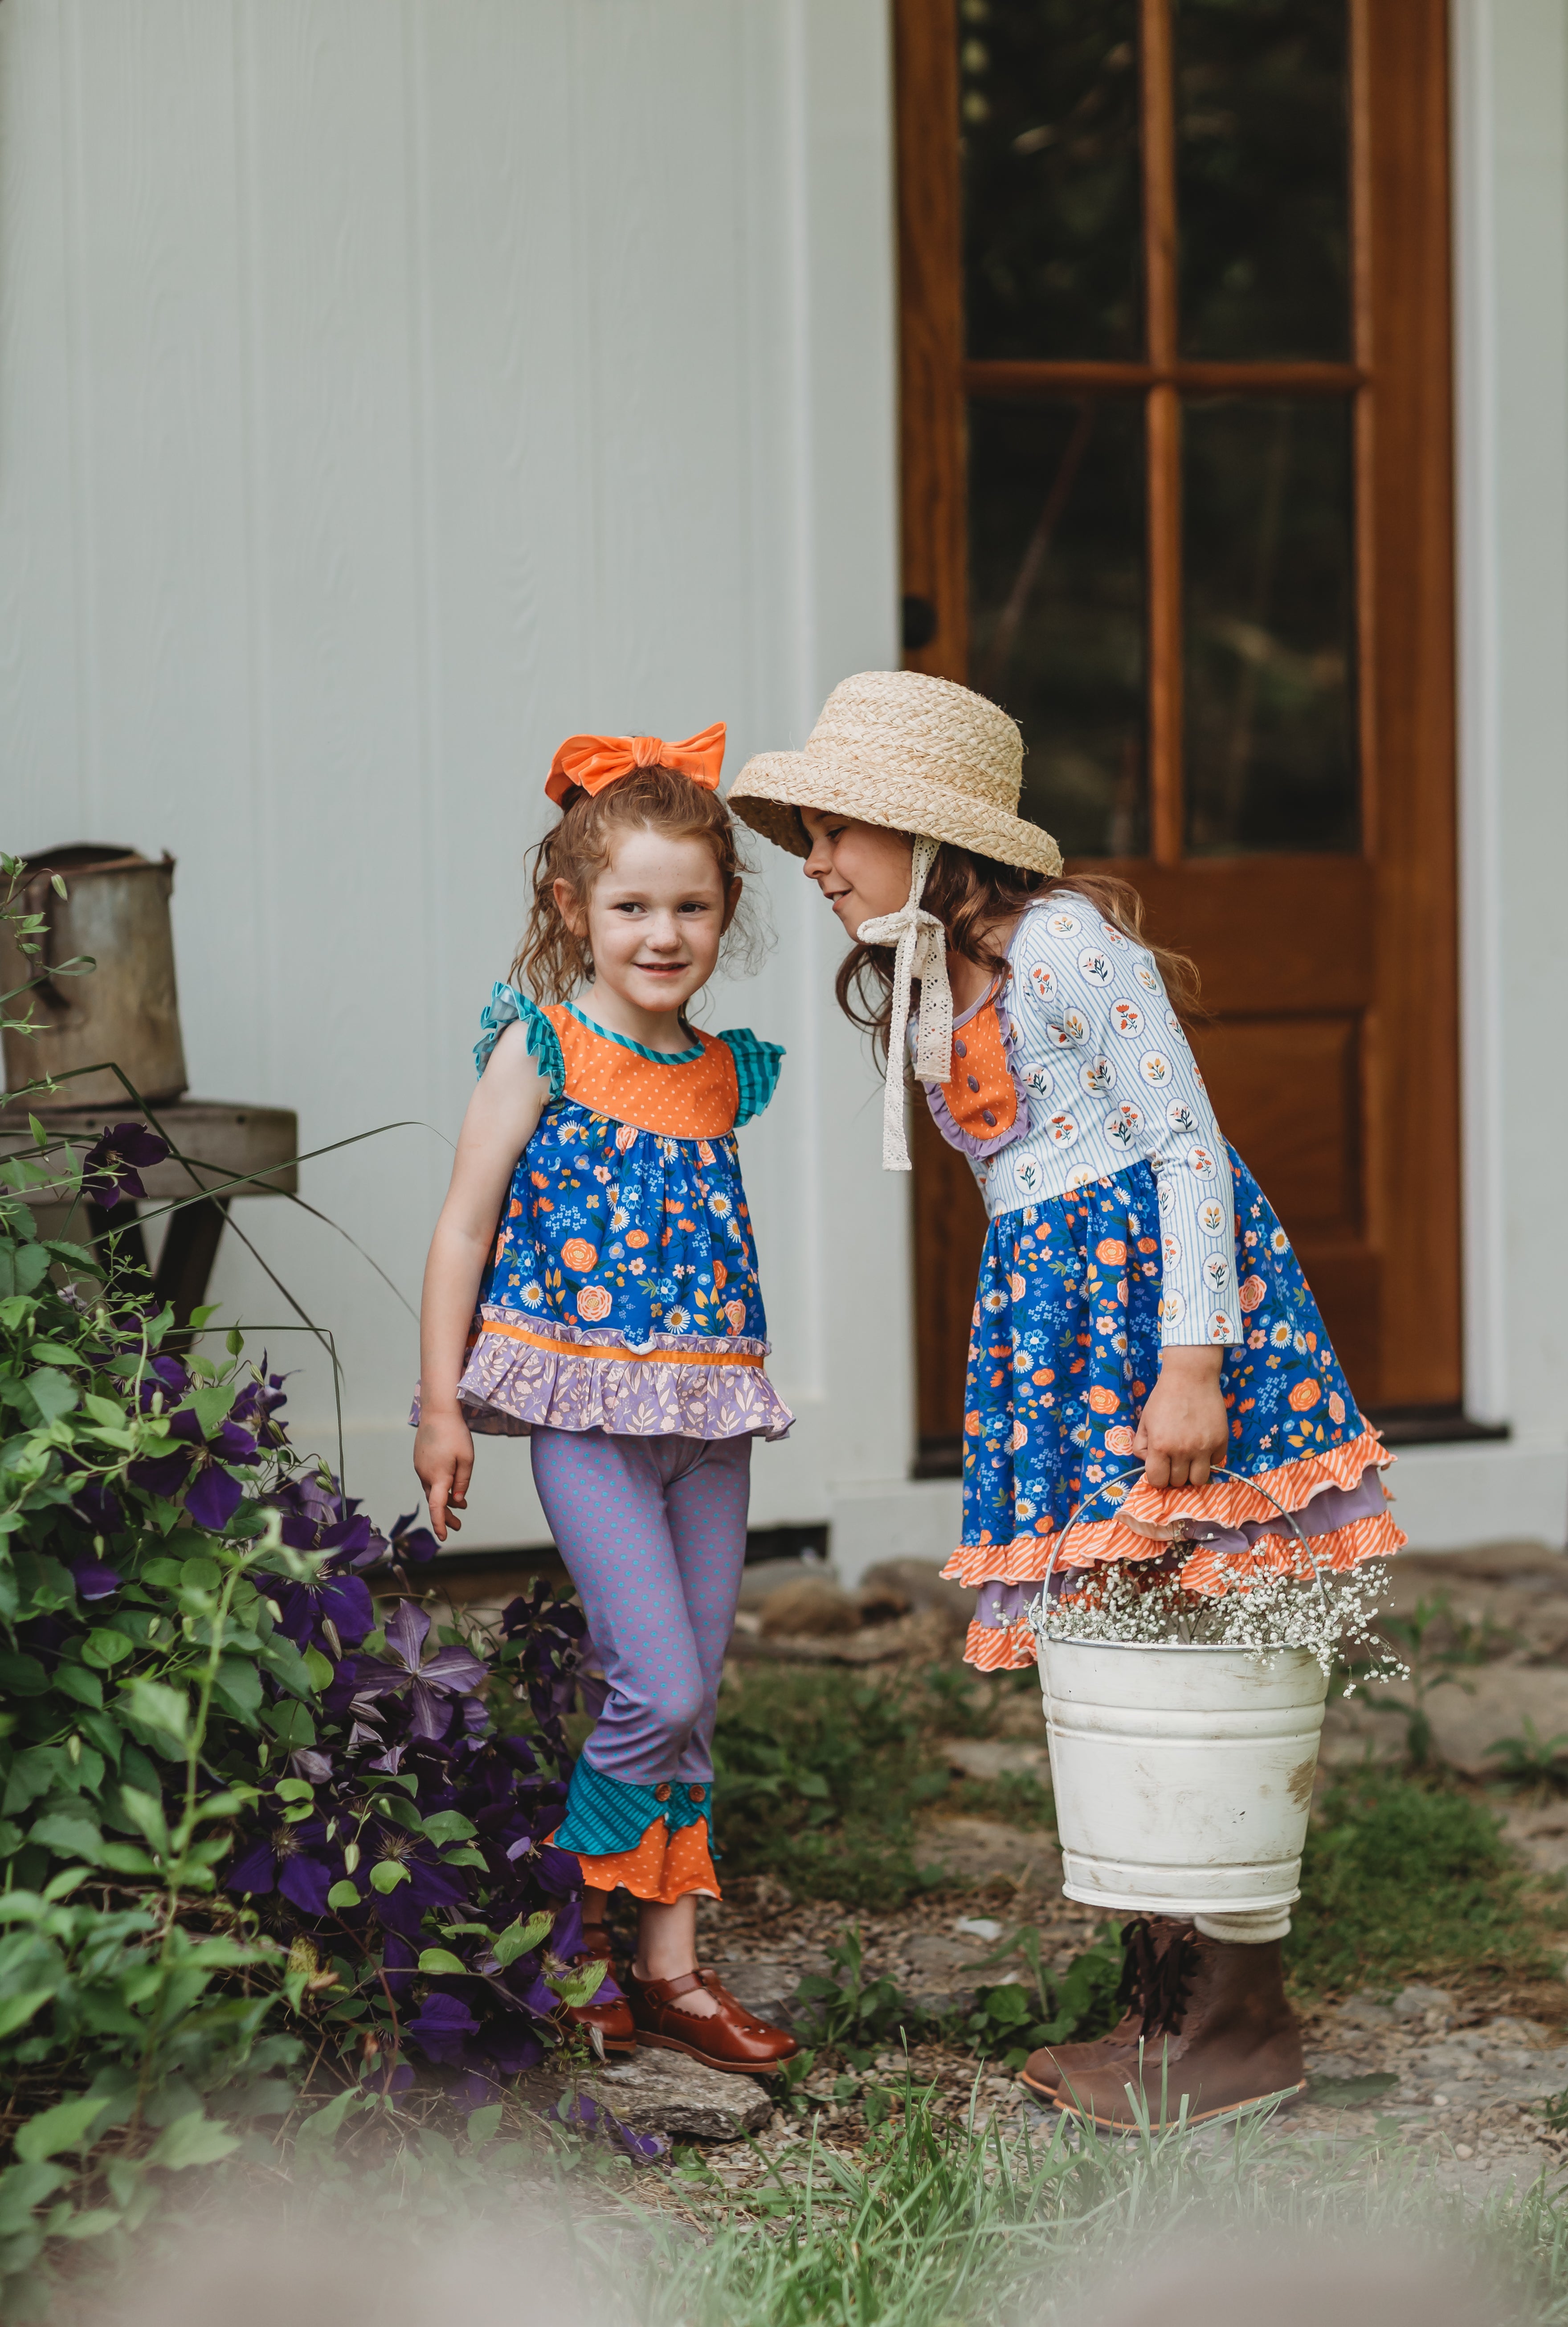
x=1407, y=1879
x=820, y=1776
x=926, y=2226
x=929, y=2226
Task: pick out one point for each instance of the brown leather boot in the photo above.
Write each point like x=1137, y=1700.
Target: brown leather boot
x=612, y=2019
x=1235, y=2041
x=1148, y=1942
x=732, y=2038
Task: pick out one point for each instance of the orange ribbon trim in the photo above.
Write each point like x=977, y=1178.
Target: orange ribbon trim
x=617, y=1350
x=591, y=761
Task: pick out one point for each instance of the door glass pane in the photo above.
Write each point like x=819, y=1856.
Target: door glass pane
x=1057, y=617
x=1269, y=613
x=1049, y=143
x=1263, y=177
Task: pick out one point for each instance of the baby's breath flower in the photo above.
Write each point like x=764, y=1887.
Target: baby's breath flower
x=1259, y=1611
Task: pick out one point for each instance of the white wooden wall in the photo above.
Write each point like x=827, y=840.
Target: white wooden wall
x=389, y=388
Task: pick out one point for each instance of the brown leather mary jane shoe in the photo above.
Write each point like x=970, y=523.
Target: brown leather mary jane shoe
x=732, y=2038
x=612, y=2019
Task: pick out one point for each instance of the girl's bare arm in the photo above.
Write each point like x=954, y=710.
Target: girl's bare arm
x=501, y=1119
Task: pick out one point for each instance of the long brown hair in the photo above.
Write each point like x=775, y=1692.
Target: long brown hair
x=969, y=894
x=553, y=959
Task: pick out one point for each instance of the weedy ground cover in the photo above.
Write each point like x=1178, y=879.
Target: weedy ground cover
x=928, y=2225
x=824, y=1777
x=1407, y=1877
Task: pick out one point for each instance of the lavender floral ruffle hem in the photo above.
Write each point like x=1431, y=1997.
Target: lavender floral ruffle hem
x=681, y=1386
x=1000, y=1607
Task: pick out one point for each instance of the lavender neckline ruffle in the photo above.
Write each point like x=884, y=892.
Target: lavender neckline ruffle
x=1000, y=1606
x=966, y=1142
x=509, y=1390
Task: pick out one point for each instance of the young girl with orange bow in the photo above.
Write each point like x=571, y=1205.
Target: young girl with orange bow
x=593, y=1284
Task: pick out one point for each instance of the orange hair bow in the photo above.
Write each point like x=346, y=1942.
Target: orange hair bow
x=594, y=760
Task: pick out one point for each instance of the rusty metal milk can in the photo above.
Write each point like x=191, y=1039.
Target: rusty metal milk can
x=125, y=1009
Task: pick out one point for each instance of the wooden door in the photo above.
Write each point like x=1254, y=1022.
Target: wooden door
x=1176, y=463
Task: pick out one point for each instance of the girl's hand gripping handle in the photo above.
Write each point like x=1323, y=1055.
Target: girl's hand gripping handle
x=1184, y=1431
x=503, y=1117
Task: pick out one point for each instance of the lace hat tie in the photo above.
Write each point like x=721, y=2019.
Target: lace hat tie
x=921, y=944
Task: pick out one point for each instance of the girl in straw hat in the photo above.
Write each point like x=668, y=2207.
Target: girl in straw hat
x=592, y=1285
x=1138, y=1300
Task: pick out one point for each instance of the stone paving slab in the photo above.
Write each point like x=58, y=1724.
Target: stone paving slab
x=657, y=2091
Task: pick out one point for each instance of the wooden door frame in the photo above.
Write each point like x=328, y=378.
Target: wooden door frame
x=1401, y=377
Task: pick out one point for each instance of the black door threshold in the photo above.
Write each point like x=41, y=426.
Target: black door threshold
x=1435, y=1425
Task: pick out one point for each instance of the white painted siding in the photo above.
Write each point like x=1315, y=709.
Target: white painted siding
x=389, y=388
x=1511, y=282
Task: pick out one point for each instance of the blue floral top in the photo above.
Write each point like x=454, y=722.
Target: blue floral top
x=622, y=1292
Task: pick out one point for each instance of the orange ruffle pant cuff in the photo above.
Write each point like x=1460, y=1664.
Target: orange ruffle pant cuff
x=663, y=1867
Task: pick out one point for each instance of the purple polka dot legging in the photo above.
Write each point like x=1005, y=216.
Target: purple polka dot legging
x=653, y=1533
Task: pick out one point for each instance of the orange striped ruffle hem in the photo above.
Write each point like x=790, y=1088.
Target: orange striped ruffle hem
x=1010, y=1648
x=1222, y=1504
x=999, y=1648
x=663, y=1867
x=1377, y=1538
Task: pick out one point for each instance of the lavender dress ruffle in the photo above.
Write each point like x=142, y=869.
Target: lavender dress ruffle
x=509, y=1386
x=1000, y=1606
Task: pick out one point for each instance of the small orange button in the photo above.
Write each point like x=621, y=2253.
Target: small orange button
x=696, y=1793
x=661, y=1793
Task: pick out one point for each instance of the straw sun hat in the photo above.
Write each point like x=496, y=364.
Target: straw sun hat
x=917, y=756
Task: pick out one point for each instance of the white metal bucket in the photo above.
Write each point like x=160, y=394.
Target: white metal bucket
x=1184, y=1777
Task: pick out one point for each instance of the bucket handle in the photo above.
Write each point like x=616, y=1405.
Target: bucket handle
x=1135, y=1469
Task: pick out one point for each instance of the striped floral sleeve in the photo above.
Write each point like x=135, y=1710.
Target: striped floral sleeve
x=1200, y=1299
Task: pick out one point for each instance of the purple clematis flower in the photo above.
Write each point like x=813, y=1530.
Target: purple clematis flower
x=512, y=2047
x=257, y=1402
x=213, y=1496
x=411, y=1544
x=93, y=1579
x=229, y=1441
x=582, y=2110
x=111, y=1168
x=331, y=1612
x=430, y=1882
x=432, y=1681
x=441, y=2029
x=318, y=1518
x=285, y=1859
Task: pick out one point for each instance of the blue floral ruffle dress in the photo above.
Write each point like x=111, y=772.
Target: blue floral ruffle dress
x=1121, y=1224
x=622, y=1294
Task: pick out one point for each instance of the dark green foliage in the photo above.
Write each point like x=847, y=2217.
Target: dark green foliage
x=1530, y=1759
x=1405, y=1881
x=821, y=1776
x=1014, y=2020
x=177, y=1585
